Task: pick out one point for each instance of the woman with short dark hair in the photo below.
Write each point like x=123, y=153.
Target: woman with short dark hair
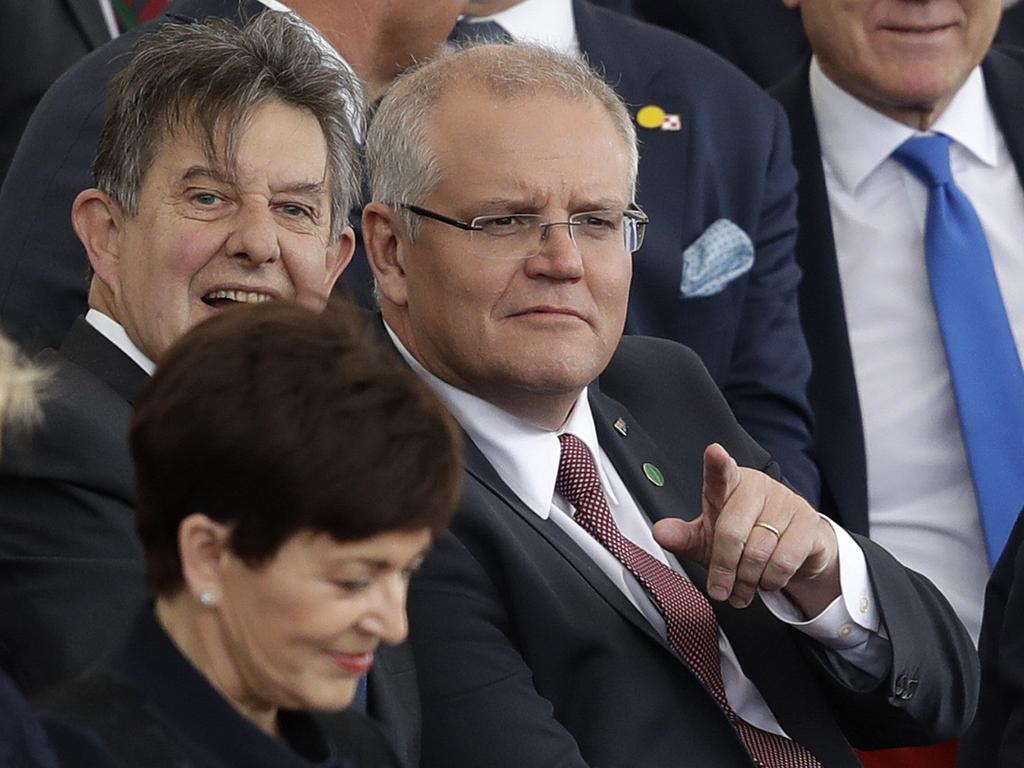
x=291, y=476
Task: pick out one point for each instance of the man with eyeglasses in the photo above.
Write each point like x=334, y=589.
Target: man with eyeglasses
x=558, y=625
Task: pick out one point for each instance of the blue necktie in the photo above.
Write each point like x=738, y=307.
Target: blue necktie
x=988, y=380
x=468, y=31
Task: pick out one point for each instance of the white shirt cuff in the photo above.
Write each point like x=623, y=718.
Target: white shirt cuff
x=851, y=625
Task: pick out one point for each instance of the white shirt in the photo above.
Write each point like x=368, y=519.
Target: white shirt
x=526, y=458
x=116, y=335
x=921, y=503
x=545, y=22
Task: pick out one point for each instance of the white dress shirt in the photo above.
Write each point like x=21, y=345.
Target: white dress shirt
x=526, y=458
x=116, y=335
x=921, y=503
x=545, y=22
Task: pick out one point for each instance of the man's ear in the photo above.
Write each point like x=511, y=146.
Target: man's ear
x=98, y=221
x=339, y=256
x=202, y=544
x=385, y=249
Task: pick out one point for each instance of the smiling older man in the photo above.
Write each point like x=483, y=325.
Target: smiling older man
x=225, y=170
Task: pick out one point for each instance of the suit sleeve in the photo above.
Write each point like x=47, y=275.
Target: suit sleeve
x=996, y=738
x=71, y=566
x=766, y=384
x=931, y=691
x=478, y=682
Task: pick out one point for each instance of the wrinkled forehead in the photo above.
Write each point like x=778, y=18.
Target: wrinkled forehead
x=498, y=135
x=192, y=142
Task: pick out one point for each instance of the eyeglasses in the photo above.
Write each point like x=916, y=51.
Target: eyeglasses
x=522, y=235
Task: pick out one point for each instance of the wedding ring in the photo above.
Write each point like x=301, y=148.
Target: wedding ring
x=769, y=527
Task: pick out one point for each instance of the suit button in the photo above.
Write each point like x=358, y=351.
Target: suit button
x=905, y=687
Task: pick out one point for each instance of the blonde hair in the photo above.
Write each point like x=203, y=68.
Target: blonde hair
x=20, y=385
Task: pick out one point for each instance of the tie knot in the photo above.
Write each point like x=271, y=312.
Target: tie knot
x=467, y=31
x=927, y=157
x=577, y=474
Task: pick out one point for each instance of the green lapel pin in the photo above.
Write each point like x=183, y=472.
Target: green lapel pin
x=654, y=474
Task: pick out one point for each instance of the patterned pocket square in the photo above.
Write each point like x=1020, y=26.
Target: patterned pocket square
x=721, y=254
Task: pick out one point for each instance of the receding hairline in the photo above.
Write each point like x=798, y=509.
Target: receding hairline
x=452, y=102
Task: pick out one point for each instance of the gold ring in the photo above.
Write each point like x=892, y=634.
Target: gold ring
x=769, y=527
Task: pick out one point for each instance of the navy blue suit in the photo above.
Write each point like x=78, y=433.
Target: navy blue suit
x=996, y=738
x=762, y=37
x=729, y=160
x=833, y=388
x=1011, y=27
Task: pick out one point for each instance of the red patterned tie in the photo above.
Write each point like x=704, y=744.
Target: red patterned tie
x=690, y=623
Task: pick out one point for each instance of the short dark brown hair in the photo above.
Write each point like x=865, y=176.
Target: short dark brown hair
x=206, y=78
x=274, y=420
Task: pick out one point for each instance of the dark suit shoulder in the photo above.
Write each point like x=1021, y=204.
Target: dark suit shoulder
x=649, y=370
x=82, y=438
x=660, y=53
x=666, y=388
x=1011, y=53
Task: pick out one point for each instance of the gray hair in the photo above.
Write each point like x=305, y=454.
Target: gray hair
x=20, y=383
x=402, y=166
x=207, y=78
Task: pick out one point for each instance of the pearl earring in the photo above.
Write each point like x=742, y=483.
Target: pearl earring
x=208, y=597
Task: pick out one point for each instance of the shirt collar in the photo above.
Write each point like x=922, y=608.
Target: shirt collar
x=546, y=22
x=115, y=333
x=856, y=139
x=525, y=456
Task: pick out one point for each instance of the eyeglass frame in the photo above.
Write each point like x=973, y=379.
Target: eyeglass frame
x=635, y=214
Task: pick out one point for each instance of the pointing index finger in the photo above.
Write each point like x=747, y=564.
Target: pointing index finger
x=721, y=476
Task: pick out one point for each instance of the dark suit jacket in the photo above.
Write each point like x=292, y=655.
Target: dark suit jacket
x=529, y=655
x=149, y=707
x=833, y=389
x=1011, y=27
x=762, y=37
x=70, y=570
x=730, y=160
x=38, y=41
x=22, y=741
x=996, y=738
x=44, y=272
x=71, y=567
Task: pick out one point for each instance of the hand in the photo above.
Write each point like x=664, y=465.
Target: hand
x=741, y=556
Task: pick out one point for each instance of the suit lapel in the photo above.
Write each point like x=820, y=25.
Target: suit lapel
x=481, y=470
x=90, y=349
x=762, y=644
x=90, y=20
x=833, y=387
